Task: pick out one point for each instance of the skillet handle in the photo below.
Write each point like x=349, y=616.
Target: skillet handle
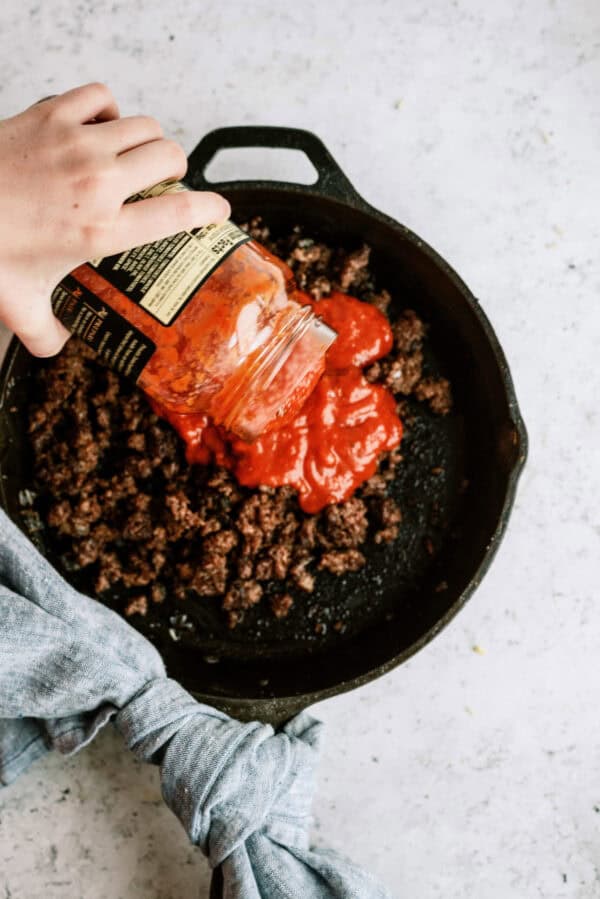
x=216, y=884
x=331, y=181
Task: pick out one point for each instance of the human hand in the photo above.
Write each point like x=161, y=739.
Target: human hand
x=67, y=165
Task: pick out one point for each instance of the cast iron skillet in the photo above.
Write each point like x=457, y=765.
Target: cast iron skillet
x=456, y=486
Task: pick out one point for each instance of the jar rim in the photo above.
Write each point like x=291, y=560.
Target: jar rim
x=270, y=360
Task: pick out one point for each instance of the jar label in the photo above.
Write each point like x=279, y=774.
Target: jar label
x=119, y=343
x=162, y=277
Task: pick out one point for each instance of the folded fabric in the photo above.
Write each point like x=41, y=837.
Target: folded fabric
x=243, y=792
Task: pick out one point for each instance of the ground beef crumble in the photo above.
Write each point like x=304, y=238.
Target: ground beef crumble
x=124, y=506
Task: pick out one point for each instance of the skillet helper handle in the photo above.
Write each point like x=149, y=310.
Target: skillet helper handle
x=331, y=181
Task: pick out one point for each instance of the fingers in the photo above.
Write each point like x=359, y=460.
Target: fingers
x=125, y=134
x=43, y=100
x=91, y=101
x=145, y=166
x=41, y=332
x=147, y=220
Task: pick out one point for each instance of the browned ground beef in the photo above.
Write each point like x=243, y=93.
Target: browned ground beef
x=129, y=511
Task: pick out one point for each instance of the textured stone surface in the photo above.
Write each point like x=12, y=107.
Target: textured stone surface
x=462, y=774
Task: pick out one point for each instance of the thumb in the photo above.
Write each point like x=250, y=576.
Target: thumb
x=38, y=328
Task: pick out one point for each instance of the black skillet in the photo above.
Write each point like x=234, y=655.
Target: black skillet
x=456, y=486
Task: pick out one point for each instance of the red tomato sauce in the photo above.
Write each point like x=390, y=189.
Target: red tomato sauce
x=241, y=350
x=332, y=445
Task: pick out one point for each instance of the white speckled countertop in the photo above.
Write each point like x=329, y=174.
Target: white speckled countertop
x=460, y=774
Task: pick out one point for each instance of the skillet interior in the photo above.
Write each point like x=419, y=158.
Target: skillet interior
x=268, y=668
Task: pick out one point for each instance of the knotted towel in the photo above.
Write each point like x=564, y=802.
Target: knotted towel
x=243, y=793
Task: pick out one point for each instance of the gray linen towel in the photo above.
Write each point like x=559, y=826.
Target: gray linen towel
x=242, y=792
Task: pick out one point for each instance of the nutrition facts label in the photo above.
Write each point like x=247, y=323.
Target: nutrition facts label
x=163, y=276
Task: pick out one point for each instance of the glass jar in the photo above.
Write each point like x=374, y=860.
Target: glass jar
x=206, y=321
